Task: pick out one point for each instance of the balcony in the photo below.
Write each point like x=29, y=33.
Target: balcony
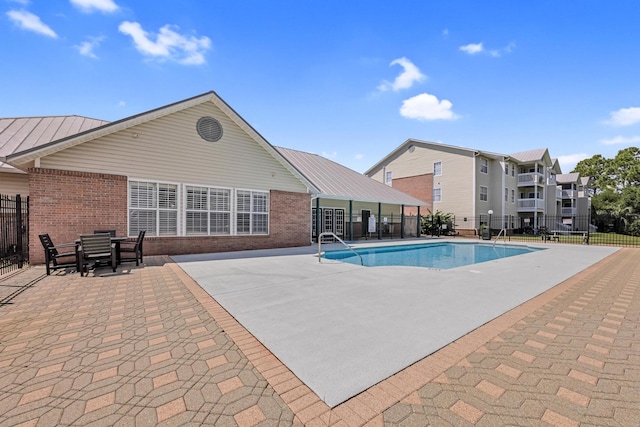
x=530, y=205
x=558, y=194
x=568, y=211
x=569, y=194
x=530, y=178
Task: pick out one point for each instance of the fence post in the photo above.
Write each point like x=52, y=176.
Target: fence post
x=19, y=248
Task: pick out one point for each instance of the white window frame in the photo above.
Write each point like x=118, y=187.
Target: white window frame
x=253, y=213
x=437, y=171
x=161, y=213
x=506, y=168
x=437, y=195
x=484, y=193
x=506, y=194
x=484, y=166
x=208, y=210
x=513, y=196
x=388, y=177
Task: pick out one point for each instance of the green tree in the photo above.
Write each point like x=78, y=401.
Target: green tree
x=599, y=169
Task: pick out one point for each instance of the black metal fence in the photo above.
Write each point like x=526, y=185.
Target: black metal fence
x=605, y=230
x=14, y=233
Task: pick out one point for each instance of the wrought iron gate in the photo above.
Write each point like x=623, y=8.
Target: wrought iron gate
x=14, y=232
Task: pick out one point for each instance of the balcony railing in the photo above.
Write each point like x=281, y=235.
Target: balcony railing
x=568, y=211
x=558, y=194
x=530, y=178
x=569, y=194
x=530, y=205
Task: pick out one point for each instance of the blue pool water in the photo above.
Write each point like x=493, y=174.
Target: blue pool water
x=432, y=255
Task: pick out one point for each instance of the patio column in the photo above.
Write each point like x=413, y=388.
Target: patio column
x=351, y=219
x=379, y=221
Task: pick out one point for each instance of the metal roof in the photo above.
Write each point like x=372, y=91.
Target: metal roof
x=339, y=182
x=567, y=178
x=22, y=133
x=531, y=155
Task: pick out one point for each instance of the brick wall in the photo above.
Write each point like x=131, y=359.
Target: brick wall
x=66, y=204
x=418, y=186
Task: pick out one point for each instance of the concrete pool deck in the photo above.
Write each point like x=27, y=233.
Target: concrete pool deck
x=147, y=346
x=342, y=328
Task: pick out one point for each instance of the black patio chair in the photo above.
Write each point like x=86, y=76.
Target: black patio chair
x=96, y=248
x=57, y=256
x=112, y=233
x=132, y=251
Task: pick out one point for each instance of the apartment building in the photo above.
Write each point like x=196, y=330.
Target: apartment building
x=519, y=192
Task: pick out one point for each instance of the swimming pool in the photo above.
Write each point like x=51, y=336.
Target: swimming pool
x=432, y=255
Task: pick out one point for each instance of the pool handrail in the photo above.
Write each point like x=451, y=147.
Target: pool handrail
x=498, y=236
x=329, y=233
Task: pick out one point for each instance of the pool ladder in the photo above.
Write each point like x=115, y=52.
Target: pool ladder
x=504, y=230
x=328, y=233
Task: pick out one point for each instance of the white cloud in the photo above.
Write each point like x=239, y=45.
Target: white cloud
x=29, y=21
x=359, y=156
x=87, y=47
x=330, y=155
x=569, y=161
x=24, y=2
x=472, y=48
x=624, y=117
x=427, y=107
x=619, y=140
x=445, y=32
x=168, y=44
x=89, y=6
x=122, y=104
x=410, y=75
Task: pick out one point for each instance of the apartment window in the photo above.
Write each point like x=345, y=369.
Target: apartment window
x=252, y=212
x=153, y=207
x=506, y=168
x=437, y=194
x=513, y=170
x=437, y=168
x=484, y=194
x=506, y=195
x=388, y=177
x=513, y=196
x=484, y=166
x=207, y=211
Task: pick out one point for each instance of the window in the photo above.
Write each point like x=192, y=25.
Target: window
x=506, y=195
x=252, y=212
x=437, y=168
x=153, y=207
x=506, y=168
x=484, y=166
x=207, y=211
x=388, y=177
x=437, y=194
x=484, y=194
x=513, y=169
x=513, y=196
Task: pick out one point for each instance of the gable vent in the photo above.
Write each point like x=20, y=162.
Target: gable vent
x=209, y=129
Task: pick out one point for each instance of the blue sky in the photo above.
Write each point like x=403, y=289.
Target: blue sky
x=350, y=80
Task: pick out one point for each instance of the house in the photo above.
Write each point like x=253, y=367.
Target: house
x=193, y=174
x=347, y=201
x=517, y=192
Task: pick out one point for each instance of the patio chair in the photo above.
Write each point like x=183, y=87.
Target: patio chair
x=58, y=256
x=96, y=248
x=132, y=251
x=112, y=233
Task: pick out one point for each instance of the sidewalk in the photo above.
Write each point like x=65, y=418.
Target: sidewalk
x=148, y=346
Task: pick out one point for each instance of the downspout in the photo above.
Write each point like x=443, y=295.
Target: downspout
x=504, y=189
x=402, y=222
x=473, y=191
x=419, y=223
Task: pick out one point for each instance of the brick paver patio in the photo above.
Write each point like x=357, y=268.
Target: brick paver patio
x=147, y=346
